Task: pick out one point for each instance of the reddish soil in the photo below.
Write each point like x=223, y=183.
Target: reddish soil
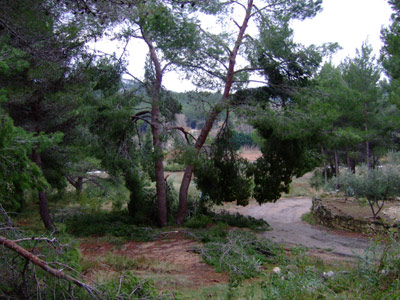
x=174, y=252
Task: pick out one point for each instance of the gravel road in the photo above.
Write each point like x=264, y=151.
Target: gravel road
x=285, y=218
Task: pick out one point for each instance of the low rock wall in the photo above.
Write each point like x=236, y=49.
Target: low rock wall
x=327, y=217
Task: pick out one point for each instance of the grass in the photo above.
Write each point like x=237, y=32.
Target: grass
x=309, y=218
x=300, y=187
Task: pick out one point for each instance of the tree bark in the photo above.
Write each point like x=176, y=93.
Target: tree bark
x=43, y=201
x=367, y=147
x=183, y=191
x=77, y=184
x=325, y=166
x=156, y=132
x=348, y=158
x=42, y=264
x=336, y=168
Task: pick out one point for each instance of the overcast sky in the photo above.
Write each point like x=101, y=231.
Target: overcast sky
x=348, y=22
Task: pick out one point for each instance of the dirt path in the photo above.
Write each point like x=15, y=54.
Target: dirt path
x=285, y=218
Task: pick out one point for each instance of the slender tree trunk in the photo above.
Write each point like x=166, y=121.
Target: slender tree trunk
x=348, y=158
x=79, y=185
x=156, y=132
x=43, y=201
x=353, y=166
x=367, y=146
x=183, y=191
x=336, y=168
x=325, y=166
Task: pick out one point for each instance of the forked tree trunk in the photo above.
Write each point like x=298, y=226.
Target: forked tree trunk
x=43, y=201
x=77, y=184
x=187, y=176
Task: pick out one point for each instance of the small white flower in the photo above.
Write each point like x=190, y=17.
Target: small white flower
x=277, y=270
x=327, y=275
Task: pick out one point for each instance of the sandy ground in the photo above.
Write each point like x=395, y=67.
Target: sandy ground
x=285, y=218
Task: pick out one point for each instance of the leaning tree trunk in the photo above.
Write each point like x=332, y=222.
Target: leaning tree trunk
x=187, y=176
x=43, y=201
x=156, y=132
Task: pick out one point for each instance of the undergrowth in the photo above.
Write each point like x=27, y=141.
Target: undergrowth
x=235, y=220
x=375, y=275
x=117, y=224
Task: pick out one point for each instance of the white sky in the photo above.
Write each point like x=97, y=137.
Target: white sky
x=348, y=22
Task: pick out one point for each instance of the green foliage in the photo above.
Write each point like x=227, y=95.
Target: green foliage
x=309, y=218
x=18, y=174
x=129, y=286
x=199, y=221
x=239, y=253
x=117, y=224
x=222, y=176
x=376, y=185
x=240, y=139
x=390, y=53
x=241, y=221
x=215, y=233
x=282, y=159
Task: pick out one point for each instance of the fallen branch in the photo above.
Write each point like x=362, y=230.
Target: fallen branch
x=10, y=244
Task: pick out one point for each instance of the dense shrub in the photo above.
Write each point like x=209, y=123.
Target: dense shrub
x=118, y=224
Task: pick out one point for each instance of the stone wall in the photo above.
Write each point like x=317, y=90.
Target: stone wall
x=327, y=217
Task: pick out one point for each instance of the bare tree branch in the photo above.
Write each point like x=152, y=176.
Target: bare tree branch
x=12, y=245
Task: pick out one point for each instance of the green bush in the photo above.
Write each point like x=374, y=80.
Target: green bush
x=118, y=224
x=199, y=221
x=242, y=221
x=309, y=218
x=221, y=175
x=215, y=233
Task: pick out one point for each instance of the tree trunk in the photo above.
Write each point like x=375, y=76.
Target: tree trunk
x=325, y=166
x=336, y=168
x=367, y=147
x=183, y=191
x=79, y=185
x=353, y=166
x=30, y=257
x=43, y=201
x=348, y=160
x=156, y=132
